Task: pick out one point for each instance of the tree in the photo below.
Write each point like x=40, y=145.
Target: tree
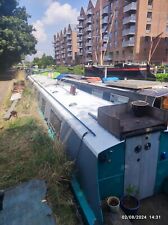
x=16, y=38
x=44, y=61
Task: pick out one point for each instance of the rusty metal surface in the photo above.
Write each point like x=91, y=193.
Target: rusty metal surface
x=121, y=121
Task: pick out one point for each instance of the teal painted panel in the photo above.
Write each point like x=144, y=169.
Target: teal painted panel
x=113, y=186
x=111, y=165
x=162, y=168
x=86, y=210
x=111, y=162
x=162, y=173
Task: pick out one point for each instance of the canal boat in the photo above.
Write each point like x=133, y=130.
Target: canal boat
x=111, y=147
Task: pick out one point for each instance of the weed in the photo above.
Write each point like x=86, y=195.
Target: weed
x=26, y=152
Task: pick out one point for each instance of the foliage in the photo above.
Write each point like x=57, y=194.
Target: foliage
x=73, y=69
x=16, y=38
x=27, y=152
x=131, y=190
x=162, y=77
x=44, y=62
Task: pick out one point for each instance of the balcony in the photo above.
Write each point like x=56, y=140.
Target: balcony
x=105, y=20
x=80, y=40
x=105, y=39
x=81, y=18
x=80, y=26
x=80, y=46
x=130, y=7
x=149, y=19
x=105, y=11
x=69, y=38
x=130, y=19
x=89, y=29
x=150, y=6
x=89, y=12
x=80, y=33
x=88, y=51
x=89, y=21
x=89, y=37
x=69, y=49
x=129, y=31
x=80, y=53
x=105, y=30
x=69, y=44
x=128, y=43
x=89, y=44
x=69, y=54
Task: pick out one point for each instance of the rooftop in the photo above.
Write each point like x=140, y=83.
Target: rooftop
x=80, y=106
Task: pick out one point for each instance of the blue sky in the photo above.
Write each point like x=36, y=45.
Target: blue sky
x=50, y=16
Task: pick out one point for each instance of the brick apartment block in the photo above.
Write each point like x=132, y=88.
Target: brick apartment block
x=115, y=31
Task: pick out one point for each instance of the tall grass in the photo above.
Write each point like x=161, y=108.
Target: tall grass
x=27, y=152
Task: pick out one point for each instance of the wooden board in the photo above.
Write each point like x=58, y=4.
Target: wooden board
x=12, y=108
x=135, y=84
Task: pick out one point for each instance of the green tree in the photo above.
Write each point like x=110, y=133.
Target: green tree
x=44, y=61
x=16, y=38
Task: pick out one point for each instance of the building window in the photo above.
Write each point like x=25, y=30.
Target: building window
x=149, y=16
x=150, y=2
x=148, y=28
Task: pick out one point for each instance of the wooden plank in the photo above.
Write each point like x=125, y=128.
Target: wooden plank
x=134, y=84
x=12, y=108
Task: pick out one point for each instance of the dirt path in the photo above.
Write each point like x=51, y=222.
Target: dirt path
x=6, y=85
x=4, y=90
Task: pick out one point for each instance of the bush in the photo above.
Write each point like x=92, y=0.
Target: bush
x=79, y=70
x=162, y=77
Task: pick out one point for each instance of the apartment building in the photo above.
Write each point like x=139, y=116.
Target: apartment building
x=115, y=31
x=65, y=46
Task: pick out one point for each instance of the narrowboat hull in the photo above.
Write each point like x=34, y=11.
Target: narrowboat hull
x=131, y=72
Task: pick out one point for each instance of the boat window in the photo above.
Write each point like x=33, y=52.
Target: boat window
x=43, y=105
x=118, y=99
x=157, y=103
x=97, y=93
x=55, y=122
x=165, y=103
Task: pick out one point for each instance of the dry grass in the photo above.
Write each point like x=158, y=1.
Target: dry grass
x=27, y=152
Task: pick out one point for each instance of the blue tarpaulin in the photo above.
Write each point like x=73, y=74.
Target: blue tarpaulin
x=110, y=79
x=26, y=205
x=61, y=76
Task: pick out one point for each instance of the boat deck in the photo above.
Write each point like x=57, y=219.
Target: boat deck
x=152, y=211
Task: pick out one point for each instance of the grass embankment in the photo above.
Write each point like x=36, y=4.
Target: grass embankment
x=27, y=152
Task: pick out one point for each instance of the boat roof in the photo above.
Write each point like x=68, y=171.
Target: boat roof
x=80, y=106
x=144, y=87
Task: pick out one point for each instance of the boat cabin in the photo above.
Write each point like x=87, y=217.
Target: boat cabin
x=108, y=155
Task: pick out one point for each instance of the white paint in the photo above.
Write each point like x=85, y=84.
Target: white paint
x=85, y=103
x=141, y=175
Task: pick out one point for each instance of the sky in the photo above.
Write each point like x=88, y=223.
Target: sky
x=50, y=16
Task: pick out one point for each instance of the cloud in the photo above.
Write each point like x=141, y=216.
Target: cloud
x=57, y=13
x=39, y=32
